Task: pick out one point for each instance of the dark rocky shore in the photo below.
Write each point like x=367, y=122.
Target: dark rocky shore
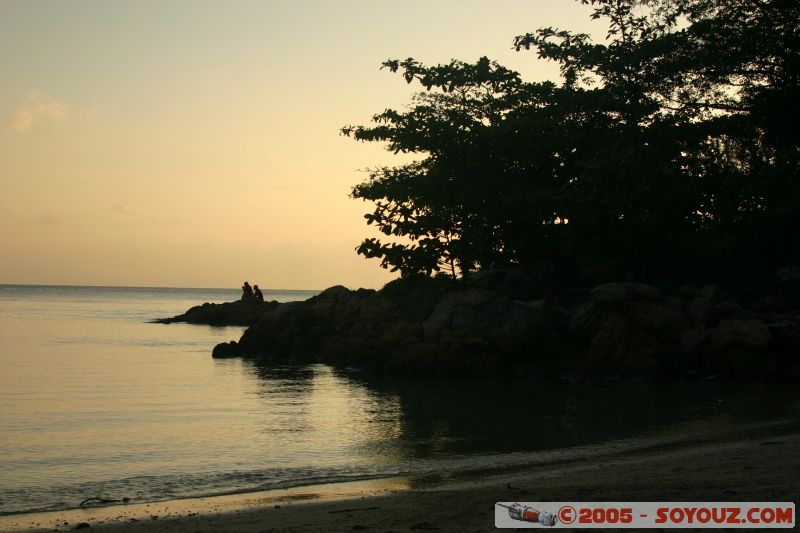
x=240, y=313
x=492, y=324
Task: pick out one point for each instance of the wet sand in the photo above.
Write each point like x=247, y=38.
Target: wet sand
x=757, y=464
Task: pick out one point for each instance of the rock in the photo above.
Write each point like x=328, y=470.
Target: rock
x=293, y=329
x=709, y=292
x=692, y=339
x=466, y=303
x=664, y=319
x=225, y=350
x=638, y=338
x=790, y=374
x=239, y=313
x=337, y=292
x=728, y=310
x=418, y=305
x=465, y=332
x=773, y=304
x=785, y=334
x=585, y=319
x=412, y=360
x=455, y=353
x=331, y=301
x=608, y=347
x=748, y=335
x=687, y=292
x=713, y=361
x=643, y=362
x=789, y=274
x=482, y=365
x=516, y=284
x=505, y=324
x=614, y=293
x=461, y=342
x=748, y=366
x=699, y=311
x=701, y=306
x=673, y=360
x=486, y=279
x=542, y=276
x=415, y=298
x=366, y=343
x=432, y=327
x=572, y=297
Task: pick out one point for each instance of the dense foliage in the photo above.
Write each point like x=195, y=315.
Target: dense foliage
x=667, y=153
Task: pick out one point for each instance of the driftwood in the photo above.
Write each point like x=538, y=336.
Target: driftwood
x=103, y=500
x=352, y=510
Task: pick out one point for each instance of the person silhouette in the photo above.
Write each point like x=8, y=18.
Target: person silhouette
x=247, y=292
x=257, y=294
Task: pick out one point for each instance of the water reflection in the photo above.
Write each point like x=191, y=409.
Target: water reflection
x=395, y=420
x=474, y=417
x=285, y=392
x=325, y=419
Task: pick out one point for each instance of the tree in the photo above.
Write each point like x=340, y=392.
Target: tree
x=668, y=152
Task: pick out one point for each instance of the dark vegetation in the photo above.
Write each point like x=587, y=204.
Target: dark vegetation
x=637, y=220
x=668, y=154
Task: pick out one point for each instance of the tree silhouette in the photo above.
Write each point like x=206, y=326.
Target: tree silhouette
x=667, y=153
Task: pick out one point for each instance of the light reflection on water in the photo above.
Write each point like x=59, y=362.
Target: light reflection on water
x=95, y=401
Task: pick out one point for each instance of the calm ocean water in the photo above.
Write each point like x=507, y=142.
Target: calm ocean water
x=97, y=402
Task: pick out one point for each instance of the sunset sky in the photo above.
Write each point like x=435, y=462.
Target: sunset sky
x=196, y=143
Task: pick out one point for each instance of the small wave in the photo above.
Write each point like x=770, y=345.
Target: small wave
x=154, y=488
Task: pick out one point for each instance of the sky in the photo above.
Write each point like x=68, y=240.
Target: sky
x=196, y=143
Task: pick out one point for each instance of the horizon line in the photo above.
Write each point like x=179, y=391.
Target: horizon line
x=138, y=287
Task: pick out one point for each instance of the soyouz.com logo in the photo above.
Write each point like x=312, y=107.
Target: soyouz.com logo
x=644, y=515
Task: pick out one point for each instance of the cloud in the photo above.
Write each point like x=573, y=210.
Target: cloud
x=123, y=209
x=47, y=219
x=37, y=107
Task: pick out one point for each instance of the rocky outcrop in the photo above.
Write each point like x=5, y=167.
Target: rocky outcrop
x=238, y=313
x=635, y=331
x=476, y=327
x=419, y=328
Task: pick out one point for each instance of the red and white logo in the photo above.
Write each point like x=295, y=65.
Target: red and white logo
x=645, y=515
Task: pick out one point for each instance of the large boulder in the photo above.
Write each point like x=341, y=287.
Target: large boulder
x=642, y=363
x=692, y=339
x=749, y=366
x=225, y=350
x=505, y=324
x=585, y=319
x=701, y=307
x=748, y=335
x=613, y=293
x=665, y=319
x=465, y=304
x=609, y=346
x=631, y=329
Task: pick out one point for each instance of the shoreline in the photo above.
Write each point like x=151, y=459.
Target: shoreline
x=753, y=462
x=499, y=322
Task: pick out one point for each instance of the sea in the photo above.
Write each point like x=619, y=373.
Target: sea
x=98, y=401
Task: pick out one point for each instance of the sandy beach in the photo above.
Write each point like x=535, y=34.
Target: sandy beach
x=756, y=464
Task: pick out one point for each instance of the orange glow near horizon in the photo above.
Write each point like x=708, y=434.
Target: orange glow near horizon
x=196, y=144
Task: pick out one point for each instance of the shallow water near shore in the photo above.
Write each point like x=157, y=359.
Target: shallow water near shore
x=97, y=402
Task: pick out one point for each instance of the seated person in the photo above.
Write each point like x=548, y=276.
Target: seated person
x=257, y=294
x=247, y=292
